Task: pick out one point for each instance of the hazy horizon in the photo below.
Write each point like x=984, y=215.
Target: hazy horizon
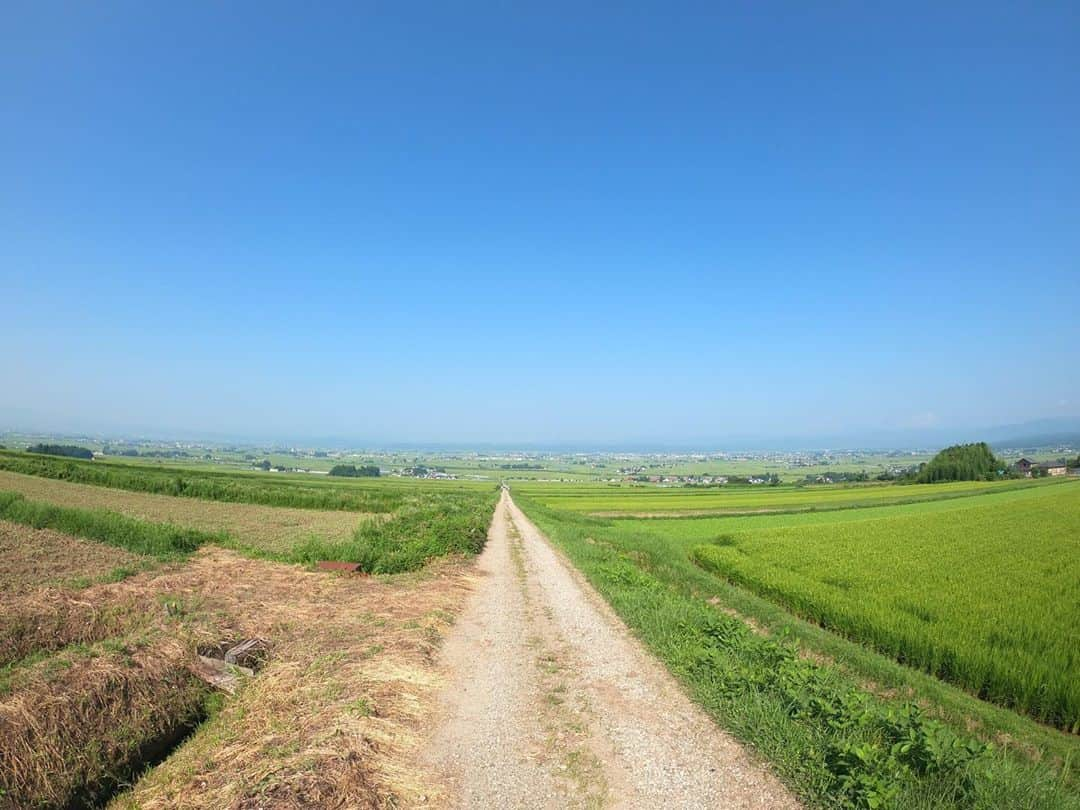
x=539, y=226
x=1042, y=432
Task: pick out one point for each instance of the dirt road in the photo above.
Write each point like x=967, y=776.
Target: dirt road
x=549, y=701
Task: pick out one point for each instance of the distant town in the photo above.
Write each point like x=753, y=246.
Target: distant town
x=663, y=469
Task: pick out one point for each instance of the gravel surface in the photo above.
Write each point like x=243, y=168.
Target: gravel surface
x=550, y=702
x=487, y=746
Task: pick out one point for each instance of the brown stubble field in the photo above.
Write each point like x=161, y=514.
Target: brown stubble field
x=31, y=558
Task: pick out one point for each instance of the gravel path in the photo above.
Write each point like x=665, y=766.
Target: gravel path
x=550, y=702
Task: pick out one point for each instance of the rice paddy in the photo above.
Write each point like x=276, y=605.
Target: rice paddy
x=655, y=501
x=985, y=594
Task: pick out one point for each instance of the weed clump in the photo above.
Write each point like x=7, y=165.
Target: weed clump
x=439, y=525
x=873, y=748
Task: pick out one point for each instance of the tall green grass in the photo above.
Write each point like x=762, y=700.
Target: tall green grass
x=160, y=540
x=985, y=595
x=439, y=526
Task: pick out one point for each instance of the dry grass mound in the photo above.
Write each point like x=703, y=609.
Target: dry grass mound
x=330, y=721
x=335, y=715
x=46, y=603
x=79, y=723
x=50, y=619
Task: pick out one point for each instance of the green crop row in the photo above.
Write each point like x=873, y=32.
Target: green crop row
x=985, y=595
x=159, y=540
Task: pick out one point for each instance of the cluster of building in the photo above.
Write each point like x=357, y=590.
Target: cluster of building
x=420, y=471
x=679, y=480
x=1030, y=468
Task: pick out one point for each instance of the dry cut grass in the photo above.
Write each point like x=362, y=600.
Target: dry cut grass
x=48, y=598
x=271, y=529
x=97, y=676
x=75, y=723
x=51, y=619
x=333, y=719
x=31, y=558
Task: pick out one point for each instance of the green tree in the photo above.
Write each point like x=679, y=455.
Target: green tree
x=961, y=462
x=69, y=450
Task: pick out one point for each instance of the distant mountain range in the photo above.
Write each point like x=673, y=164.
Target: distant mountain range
x=1044, y=433
x=1037, y=433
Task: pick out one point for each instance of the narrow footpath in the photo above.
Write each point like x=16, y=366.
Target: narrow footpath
x=549, y=702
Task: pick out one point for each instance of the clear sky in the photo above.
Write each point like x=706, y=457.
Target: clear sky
x=560, y=222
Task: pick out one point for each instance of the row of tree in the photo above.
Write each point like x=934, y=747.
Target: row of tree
x=109, y=450
x=839, y=477
x=69, y=450
x=352, y=471
x=131, y=452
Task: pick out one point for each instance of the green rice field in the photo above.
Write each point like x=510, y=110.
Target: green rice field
x=984, y=592
x=646, y=501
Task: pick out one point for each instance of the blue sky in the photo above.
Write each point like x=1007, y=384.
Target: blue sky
x=485, y=222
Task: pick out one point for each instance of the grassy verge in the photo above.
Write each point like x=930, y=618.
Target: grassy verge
x=446, y=525
x=835, y=738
